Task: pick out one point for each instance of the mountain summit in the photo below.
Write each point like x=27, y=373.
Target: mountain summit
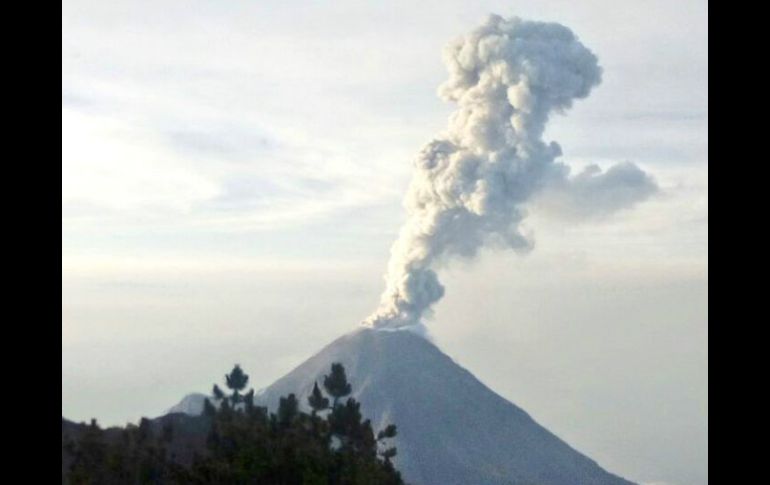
x=452, y=429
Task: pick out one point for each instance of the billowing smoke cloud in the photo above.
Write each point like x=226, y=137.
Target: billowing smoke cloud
x=594, y=194
x=471, y=185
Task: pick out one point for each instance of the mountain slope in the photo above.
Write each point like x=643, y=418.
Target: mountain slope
x=452, y=429
x=192, y=404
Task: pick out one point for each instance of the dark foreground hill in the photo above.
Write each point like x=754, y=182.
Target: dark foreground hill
x=237, y=442
x=453, y=430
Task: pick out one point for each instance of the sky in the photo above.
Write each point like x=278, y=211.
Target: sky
x=232, y=180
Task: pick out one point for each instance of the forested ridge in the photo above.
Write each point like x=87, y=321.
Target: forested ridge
x=236, y=442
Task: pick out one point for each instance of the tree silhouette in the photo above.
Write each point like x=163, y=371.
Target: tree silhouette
x=317, y=400
x=248, y=400
x=208, y=408
x=236, y=381
x=238, y=443
x=389, y=432
x=288, y=409
x=336, y=384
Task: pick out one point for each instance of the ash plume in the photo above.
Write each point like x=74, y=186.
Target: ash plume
x=472, y=184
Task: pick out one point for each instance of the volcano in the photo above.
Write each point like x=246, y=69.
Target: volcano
x=452, y=429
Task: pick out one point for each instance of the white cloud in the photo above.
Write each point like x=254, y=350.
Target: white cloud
x=107, y=163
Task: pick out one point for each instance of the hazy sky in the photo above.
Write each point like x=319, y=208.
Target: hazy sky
x=232, y=182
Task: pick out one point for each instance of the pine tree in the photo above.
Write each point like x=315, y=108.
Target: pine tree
x=208, y=408
x=336, y=384
x=288, y=409
x=248, y=400
x=317, y=400
x=236, y=380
